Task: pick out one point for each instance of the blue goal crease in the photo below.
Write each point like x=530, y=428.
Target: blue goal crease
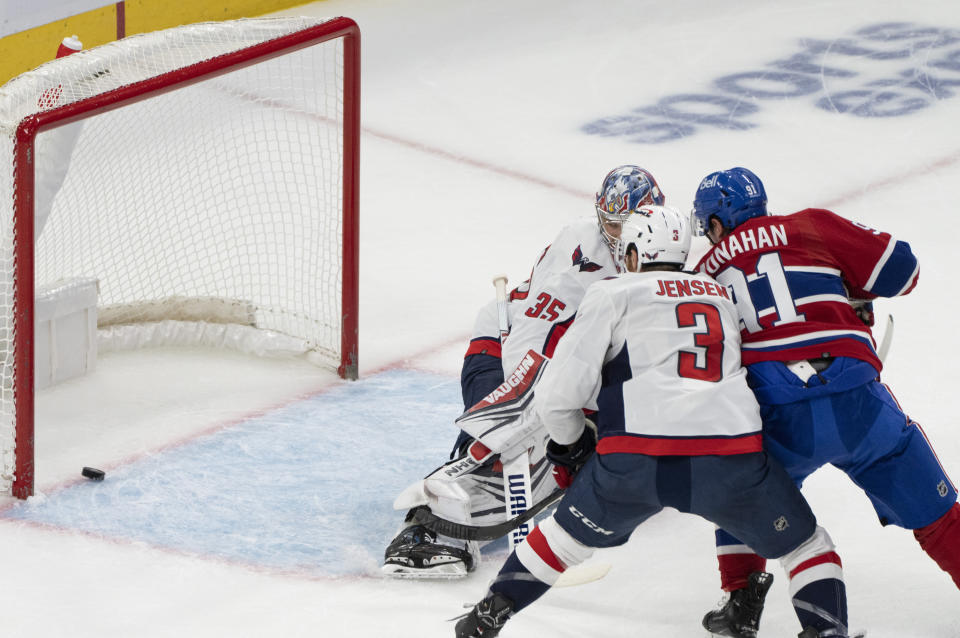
x=306, y=487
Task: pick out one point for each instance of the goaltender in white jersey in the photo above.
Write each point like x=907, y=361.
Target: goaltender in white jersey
x=540, y=310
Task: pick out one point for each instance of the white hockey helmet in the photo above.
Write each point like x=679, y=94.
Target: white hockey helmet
x=661, y=235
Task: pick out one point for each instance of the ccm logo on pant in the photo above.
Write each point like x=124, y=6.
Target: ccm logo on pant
x=586, y=521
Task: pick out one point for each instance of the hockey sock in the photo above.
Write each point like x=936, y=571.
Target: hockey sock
x=817, y=590
x=538, y=562
x=736, y=561
x=517, y=583
x=822, y=605
x=941, y=541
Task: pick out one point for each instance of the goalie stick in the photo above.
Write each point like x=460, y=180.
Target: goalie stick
x=571, y=577
x=517, y=486
x=423, y=516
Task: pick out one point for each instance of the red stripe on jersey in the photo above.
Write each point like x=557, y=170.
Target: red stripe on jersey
x=553, y=337
x=538, y=543
x=484, y=345
x=699, y=446
x=842, y=347
x=829, y=557
x=913, y=284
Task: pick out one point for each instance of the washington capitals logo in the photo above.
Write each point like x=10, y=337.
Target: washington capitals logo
x=585, y=264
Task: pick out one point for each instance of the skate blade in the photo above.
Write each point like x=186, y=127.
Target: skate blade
x=438, y=572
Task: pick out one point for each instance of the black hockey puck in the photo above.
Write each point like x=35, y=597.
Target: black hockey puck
x=93, y=473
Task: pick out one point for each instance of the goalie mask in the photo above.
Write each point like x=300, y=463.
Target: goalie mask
x=661, y=235
x=624, y=189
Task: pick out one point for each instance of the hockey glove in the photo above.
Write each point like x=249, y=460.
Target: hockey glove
x=864, y=310
x=568, y=459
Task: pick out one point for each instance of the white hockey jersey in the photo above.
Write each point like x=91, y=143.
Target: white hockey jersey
x=660, y=353
x=543, y=308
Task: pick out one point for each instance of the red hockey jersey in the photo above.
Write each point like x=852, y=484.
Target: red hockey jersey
x=792, y=277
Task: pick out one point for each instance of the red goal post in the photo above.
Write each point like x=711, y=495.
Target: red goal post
x=205, y=176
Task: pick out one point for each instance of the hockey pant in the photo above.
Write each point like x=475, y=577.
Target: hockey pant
x=615, y=493
x=865, y=433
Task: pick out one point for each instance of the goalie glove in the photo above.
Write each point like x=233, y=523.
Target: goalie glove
x=568, y=459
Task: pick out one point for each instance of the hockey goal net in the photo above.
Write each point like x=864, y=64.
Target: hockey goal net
x=204, y=176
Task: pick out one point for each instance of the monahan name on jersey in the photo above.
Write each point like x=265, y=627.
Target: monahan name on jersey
x=793, y=276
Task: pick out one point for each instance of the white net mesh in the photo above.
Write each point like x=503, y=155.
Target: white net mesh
x=217, y=202
x=7, y=408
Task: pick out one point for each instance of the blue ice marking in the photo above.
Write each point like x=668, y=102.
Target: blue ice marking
x=307, y=487
x=889, y=69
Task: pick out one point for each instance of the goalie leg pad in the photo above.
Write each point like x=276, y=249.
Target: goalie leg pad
x=417, y=552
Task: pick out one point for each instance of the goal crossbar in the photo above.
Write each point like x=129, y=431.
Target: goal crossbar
x=24, y=177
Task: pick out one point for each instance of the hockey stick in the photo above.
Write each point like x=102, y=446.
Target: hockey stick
x=500, y=283
x=517, y=486
x=582, y=574
x=571, y=577
x=423, y=516
x=884, y=348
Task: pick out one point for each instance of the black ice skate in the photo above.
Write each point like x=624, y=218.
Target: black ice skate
x=739, y=617
x=487, y=618
x=810, y=632
x=416, y=552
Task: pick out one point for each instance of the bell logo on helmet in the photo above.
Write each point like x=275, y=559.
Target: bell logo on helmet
x=732, y=196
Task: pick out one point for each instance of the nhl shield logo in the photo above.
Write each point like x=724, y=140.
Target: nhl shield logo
x=781, y=524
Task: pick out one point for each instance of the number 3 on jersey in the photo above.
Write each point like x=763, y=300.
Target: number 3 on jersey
x=546, y=308
x=706, y=363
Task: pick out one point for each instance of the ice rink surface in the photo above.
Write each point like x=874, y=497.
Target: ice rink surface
x=251, y=497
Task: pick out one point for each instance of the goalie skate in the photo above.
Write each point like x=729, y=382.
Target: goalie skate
x=418, y=553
